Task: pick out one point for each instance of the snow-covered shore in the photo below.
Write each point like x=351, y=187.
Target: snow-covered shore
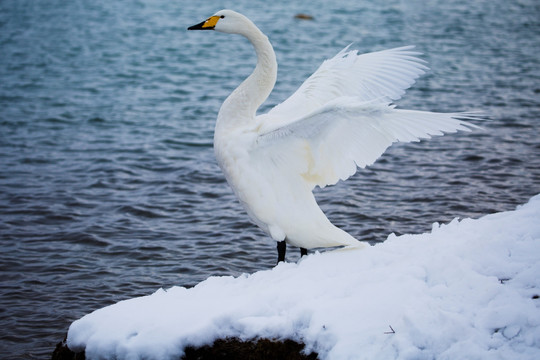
x=467, y=290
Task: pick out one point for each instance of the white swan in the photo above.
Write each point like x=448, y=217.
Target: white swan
x=340, y=118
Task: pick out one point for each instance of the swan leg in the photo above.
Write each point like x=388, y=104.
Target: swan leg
x=303, y=252
x=281, y=248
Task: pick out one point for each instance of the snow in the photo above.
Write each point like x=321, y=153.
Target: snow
x=467, y=290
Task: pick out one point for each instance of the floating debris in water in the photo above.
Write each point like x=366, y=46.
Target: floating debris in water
x=303, y=16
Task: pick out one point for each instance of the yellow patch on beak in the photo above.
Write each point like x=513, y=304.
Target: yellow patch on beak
x=211, y=22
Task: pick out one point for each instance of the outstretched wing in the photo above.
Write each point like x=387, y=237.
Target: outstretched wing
x=329, y=144
x=378, y=76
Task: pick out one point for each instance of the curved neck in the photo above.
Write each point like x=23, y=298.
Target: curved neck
x=242, y=104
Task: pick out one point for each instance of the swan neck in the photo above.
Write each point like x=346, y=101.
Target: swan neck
x=242, y=104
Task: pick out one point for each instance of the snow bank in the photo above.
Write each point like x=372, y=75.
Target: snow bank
x=467, y=290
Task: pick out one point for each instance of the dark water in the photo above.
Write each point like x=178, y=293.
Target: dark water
x=108, y=184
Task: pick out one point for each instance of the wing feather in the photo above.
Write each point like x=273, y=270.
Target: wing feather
x=377, y=76
x=329, y=144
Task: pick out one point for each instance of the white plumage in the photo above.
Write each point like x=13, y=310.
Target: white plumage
x=340, y=118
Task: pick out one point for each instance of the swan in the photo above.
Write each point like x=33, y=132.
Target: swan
x=341, y=118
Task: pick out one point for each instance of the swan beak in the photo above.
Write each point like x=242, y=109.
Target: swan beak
x=208, y=24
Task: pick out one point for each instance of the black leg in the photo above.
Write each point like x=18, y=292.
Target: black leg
x=281, y=248
x=303, y=252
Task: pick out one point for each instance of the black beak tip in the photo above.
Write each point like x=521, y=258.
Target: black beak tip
x=199, y=26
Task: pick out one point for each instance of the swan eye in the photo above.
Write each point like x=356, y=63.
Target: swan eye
x=222, y=16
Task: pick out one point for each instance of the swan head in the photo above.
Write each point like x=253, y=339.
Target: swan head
x=227, y=21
